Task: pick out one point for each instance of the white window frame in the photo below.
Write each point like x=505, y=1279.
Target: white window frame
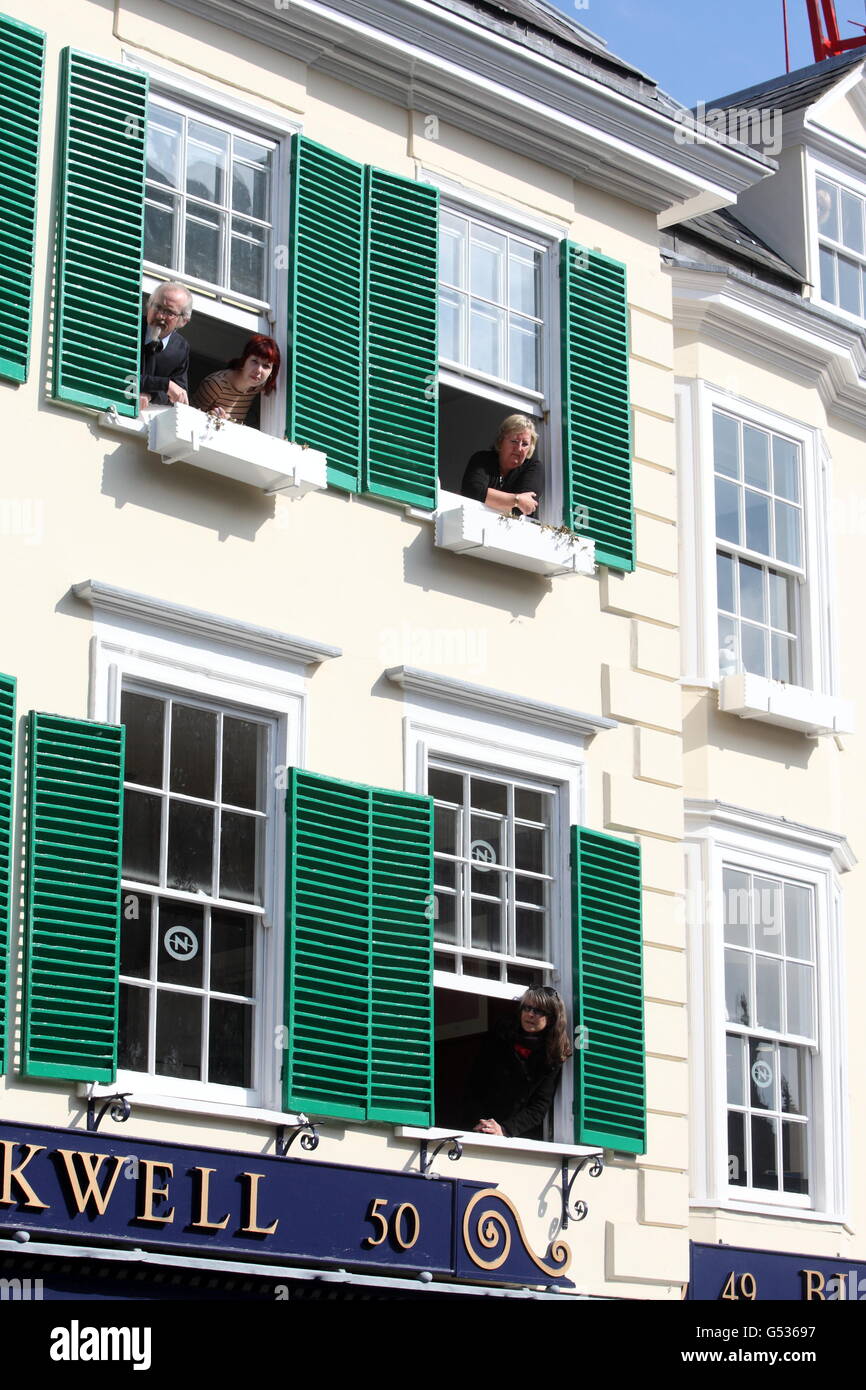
x=696, y=401
x=718, y=837
x=815, y=169
x=150, y=658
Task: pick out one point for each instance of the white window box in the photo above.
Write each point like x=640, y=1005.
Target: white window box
x=182, y=434
x=473, y=529
x=790, y=706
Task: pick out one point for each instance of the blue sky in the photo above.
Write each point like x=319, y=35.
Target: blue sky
x=701, y=49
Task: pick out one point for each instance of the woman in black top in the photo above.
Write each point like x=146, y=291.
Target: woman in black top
x=506, y=478
x=513, y=1082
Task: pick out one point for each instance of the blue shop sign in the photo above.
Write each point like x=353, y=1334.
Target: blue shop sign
x=165, y=1195
x=728, y=1273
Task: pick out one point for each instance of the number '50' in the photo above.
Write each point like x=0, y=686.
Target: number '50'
x=404, y=1225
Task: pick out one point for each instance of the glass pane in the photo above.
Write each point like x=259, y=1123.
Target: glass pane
x=249, y=188
x=756, y=457
x=737, y=1174
x=765, y=1172
x=486, y=926
x=248, y=251
x=762, y=1075
x=240, y=838
x=792, y=1079
x=782, y=602
x=444, y=917
x=190, y=847
x=738, y=989
x=141, y=821
x=828, y=275
x=135, y=935
x=231, y=953
x=525, y=977
x=849, y=284
x=799, y=1019
x=523, y=280
x=178, y=1035
x=132, y=1028
x=446, y=830
x=757, y=521
x=481, y=969
x=489, y=796
x=795, y=1158
x=206, y=162
x=798, y=918
x=752, y=592
x=530, y=934
x=530, y=805
x=159, y=232
x=445, y=874
x=529, y=849
x=163, y=145
x=453, y=232
x=828, y=209
x=767, y=914
x=788, y=533
x=783, y=655
x=144, y=719
x=202, y=243
x=726, y=448
x=736, y=906
x=727, y=511
x=852, y=222
x=487, y=842
x=486, y=334
x=734, y=1063
x=487, y=258
x=725, y=582
x=523, y=353
x=754, y=649
x=530, y=890
x=786, y=469
x=452, y=312
x=243, y=757
x=230, y=1061
x=768, y=987
x=729, y=659
x=445, y=786
x=193, y=751
x=180, y=947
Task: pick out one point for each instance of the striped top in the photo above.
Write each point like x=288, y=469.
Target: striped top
x=217, y=390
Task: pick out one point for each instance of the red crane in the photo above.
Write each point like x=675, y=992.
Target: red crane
x=831, y=43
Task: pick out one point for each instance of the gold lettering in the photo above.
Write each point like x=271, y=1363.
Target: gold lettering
x=203, y=1198
x=252, y=1228
x=92, y=1164
x=842, y=1294
x=814, y=1285
x=8, y=1174
x=149, y=1191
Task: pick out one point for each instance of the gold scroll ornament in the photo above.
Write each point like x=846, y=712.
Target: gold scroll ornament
x=491, y=1227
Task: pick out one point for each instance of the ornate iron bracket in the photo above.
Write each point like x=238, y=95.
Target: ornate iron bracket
x=580, y=1207
x=118, y=1105
x=308, y=1132
x=425, y=1158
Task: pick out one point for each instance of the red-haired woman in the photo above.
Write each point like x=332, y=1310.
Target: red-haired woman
x=229, y=394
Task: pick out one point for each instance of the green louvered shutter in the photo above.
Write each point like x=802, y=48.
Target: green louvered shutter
x=359, y=965
x=7, y=787
x=402, y=358
x=100, y=227
x=596, y=412
x=326, y=303
x=22, y=61
x=607, y=953
x=74, y=836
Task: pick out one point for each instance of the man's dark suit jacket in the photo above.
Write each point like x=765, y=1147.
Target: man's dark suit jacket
x=170, y=363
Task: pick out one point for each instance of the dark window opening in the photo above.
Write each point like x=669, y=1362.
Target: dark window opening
x=213, y=343
x=468, y=424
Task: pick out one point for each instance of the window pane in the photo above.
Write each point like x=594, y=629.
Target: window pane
x=529, y=849
x=163, y=145
x=765, y=1172
x=486, y=334
x=487, y=255
x=852, y=222
x=489, y=796
x=135, y=935
x=828, y=209
x=445, y=919
x=206, y=162
x=249, y=246
x=488, y=842
x=190, y=847
x=757, y=521
x=178, y=1035
x=132, y=1028
x=726, y=434
x=798, y=916
x=529, y=805
x=239, y=857
x=795, y=1158
x=752, y=592
x=782, y=602
x=230, y=1060
x=452, y=249
x=737, y=1174
x=734, y=1061
x=756, y=457
x=828, y=275
x=738, y=989
x=530, y=890
x=445, y=873
x=202, y=243
x=788, y=533
x=523, y=353
x=799, y=999
x=159, y=230
x=530, y=934
x=452, y=311
x=523, y=278
x=180, y=945
x=727, y=511
x=486, y=926
x=144, y=719
x=762, y=1075
x=141, y=823
x=849, y=284
x=767, y=914
x=446, y=830
x=786, y=471
x=754, y=649
x=243, y=756
x=193, y=751
x=250, y=187
x=737, y=906
x=768, y=987
x=729, y=658
x=783, y=658
x=725, y=582
x=231, y=953
x=792, y=1079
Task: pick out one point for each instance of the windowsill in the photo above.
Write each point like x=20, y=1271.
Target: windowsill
x=788, y=706
x=193, y=1106
x=493, y=1141
x=469, y=528
x=182, y=434
x=765, y=1209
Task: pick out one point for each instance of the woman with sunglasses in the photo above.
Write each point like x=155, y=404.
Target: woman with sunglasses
x=514, y=1080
